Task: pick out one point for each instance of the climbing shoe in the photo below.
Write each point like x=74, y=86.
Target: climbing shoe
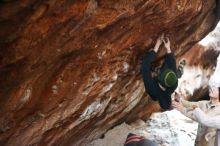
x=180, y=69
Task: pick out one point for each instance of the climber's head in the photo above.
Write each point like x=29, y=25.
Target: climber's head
x=167, y=78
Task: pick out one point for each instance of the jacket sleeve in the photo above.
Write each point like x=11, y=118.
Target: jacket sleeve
x=164, y=102
x=188, y=112
x=149, y=83
x=206, y=120
x=188, y=104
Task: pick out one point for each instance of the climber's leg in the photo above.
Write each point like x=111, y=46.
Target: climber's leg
x=180, y=69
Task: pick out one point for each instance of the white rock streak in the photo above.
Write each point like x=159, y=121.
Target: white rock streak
x=212, y=40
x=215, y=79
x=125, y=67
x=192, y=79
x=166, y=129
x=26, y=96
x=94, y=109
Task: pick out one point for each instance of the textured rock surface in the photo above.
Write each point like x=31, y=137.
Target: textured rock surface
x=169, y=128
x=69, y=70
x=200, y=60
x=194, y=82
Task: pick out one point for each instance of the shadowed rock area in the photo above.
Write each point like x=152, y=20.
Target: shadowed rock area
x=69, y=70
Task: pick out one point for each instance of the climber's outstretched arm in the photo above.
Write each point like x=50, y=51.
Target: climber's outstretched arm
x=149, y=82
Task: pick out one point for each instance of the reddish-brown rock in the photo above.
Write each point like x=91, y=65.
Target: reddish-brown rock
x=69, y=70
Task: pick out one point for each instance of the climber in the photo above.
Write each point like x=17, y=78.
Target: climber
x=206, y=113
x=160, y=87
x=136, y=140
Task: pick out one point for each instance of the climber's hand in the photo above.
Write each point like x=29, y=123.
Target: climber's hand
x=158, y=43
x=160, y=39
x=178, y=106
x=176, y=97
x=166, y=42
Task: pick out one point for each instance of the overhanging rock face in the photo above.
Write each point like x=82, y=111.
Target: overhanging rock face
x=69, y=70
